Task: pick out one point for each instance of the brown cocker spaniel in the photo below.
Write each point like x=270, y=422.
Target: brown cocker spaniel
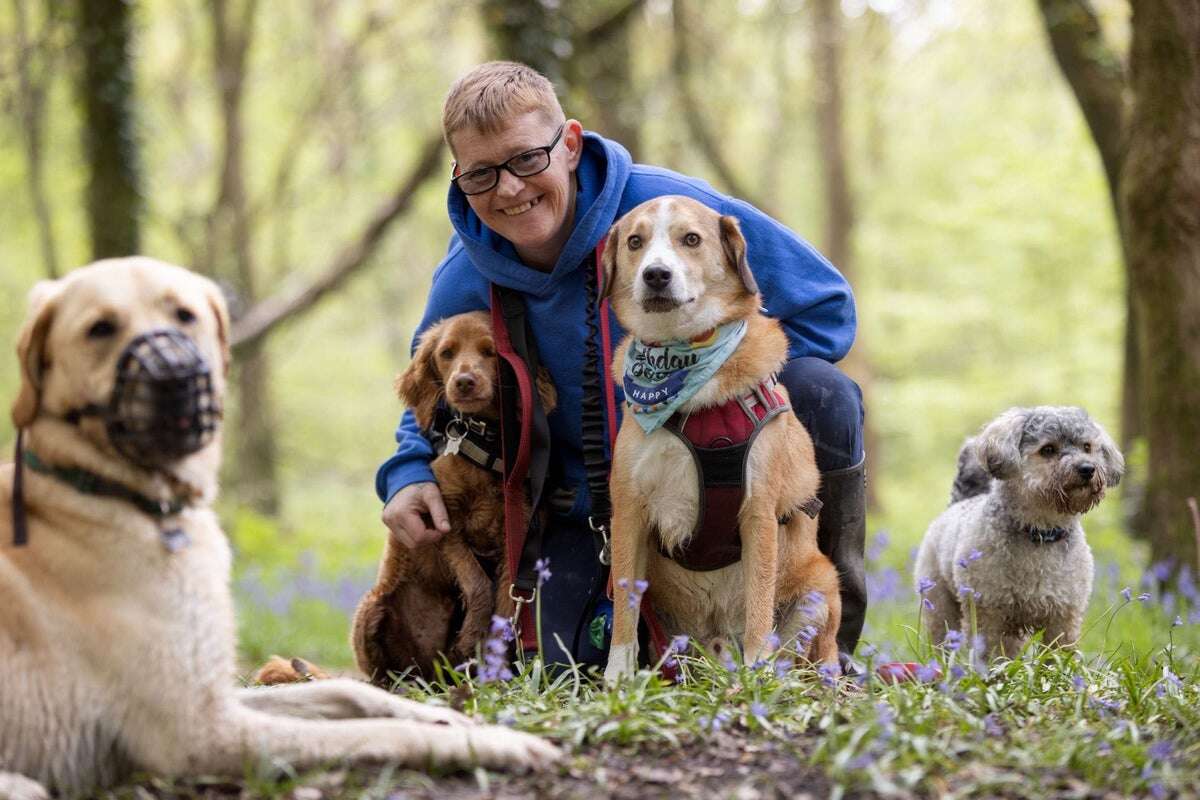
x=412, y=614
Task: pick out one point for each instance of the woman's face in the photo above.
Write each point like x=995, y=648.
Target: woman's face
x=534, y=213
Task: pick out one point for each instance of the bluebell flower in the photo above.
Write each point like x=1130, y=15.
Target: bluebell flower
x=773, y=641
x=714, y=723
x=1079, y=683
x=829, y=673
x=927, y=673
x=927, y=604
x=925, y=584
x=543, y=570
x=679, y=643
x=992, y=726
x=758, y=710
x=1178, y=621
x=970, y=558
x=954, y=640
x=1143, y=597
x=782, y=667
x=1127, y=593
x=1160, y=750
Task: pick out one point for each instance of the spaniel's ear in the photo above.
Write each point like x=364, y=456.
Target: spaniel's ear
x=999, y=444
x=216, y=302
x=547, y=395
x=31, y=350
x=608, y=261
x=734, y=245
x=420, y=386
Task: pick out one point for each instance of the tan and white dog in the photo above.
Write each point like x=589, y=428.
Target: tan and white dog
x=117, y=636
x=676, y=269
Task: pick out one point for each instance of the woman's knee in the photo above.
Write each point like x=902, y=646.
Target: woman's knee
x=829, y=403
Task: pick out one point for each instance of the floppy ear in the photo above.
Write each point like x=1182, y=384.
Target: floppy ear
x=999, y=444
x=734, y=245
x=216, y=301
x=420, y=385
x=608, y=261
x=547, y=395
x=1113, y=467
x=31, y=345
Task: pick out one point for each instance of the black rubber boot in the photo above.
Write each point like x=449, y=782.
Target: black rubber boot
x=841, y=535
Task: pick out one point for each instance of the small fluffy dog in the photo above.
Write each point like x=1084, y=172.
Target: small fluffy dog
x=1011, y=539
x=677, y=273
x=117, y=635
x=407, y=619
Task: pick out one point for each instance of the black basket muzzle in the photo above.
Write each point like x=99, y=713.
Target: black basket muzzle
x=163, y=406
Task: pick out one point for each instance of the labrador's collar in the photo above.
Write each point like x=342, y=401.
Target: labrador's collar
x=173, y=538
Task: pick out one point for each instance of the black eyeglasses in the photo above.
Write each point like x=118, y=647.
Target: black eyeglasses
x=523, y=165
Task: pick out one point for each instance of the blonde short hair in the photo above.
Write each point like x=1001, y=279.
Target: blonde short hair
x=492, y=94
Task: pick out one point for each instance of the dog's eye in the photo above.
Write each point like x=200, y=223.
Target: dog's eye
x=185, y=315
x=634, y=242
x=101, y=329
x=1087, y=447
x=1048, y=450
x=692, y=240
x=446, y=352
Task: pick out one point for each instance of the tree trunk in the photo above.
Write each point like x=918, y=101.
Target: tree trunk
x=829, y=38
x=601, y=85
x=1160, y=202
x=1095, y=75
x=34, y=72
x=114, y=200
x=255, y=458
x=530, y=31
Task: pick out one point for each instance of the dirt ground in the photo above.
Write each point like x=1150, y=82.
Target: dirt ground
x=728, y=765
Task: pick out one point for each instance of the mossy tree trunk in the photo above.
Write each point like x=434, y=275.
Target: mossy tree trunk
x=1160, y=209
x=106, y=90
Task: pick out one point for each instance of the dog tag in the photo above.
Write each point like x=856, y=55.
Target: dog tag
x=452, y=445
x=175, y=539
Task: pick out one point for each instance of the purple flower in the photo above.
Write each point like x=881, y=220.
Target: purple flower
x=992, y=726
x=758, y=710
x=954, y=640
x=1143, y=597
x=714, y=722
x=679, y=643
x=543, y=570
x=1079, y=683
x=927, y=603
x=927, y=673
x=1160, y=750
x=1127, y=593
x=634, y=594
x=957, y=671
x=1178, y=621
x=925, y=584
x=782, y=667
x=829, y=674
x=773, y=641
x=495, y=651
x=967, y=591
x=807, y=634
x=878, y=545
x=1158, y=791
x=971, y=558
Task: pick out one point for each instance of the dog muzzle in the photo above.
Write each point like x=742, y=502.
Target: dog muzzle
x=163, y=406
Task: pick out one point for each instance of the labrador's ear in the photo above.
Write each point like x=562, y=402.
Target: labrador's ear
x=608, y=261
x=216, y=301
x=734, y=245
x=31, y=350
x=420, y=386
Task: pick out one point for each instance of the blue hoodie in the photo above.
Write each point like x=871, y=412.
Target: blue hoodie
x=799, y=288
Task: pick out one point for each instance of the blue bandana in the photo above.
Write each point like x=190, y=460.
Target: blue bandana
x=659, y=378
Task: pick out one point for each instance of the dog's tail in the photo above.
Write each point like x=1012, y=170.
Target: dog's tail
x=972, y=478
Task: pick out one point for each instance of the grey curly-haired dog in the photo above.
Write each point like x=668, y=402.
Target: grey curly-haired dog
x=1011, y=539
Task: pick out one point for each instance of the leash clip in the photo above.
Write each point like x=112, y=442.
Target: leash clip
x=456, y=431
x=605, y=556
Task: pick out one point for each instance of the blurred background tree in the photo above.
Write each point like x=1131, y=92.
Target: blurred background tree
x=997, y=238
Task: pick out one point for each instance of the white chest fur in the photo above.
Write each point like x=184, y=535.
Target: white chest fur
x=665, y=473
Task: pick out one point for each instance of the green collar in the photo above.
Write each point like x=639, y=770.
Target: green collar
x=90, y=483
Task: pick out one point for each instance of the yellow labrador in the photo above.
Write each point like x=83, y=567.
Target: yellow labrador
x=117, y=632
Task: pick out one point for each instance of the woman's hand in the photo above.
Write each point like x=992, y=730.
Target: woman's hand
x=416, y=515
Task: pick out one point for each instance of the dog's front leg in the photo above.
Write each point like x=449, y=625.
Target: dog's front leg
x=240, y=735
x=477, y=596
x=18, y=787
x=343, y=698
x=629, y=554
x=760, y=565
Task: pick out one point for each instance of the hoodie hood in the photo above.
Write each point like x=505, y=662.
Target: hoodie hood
x=603, y=170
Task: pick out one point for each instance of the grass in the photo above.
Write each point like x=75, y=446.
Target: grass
x=1121, y=715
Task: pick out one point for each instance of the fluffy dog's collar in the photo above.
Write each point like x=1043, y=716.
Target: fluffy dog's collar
x=82, y=480
x=1044, y=535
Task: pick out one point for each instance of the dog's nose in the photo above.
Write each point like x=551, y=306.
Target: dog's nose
x=464, y=383
x=656, y=277
x=1086, y=470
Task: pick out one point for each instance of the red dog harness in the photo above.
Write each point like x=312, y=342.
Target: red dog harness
x=719, y=439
